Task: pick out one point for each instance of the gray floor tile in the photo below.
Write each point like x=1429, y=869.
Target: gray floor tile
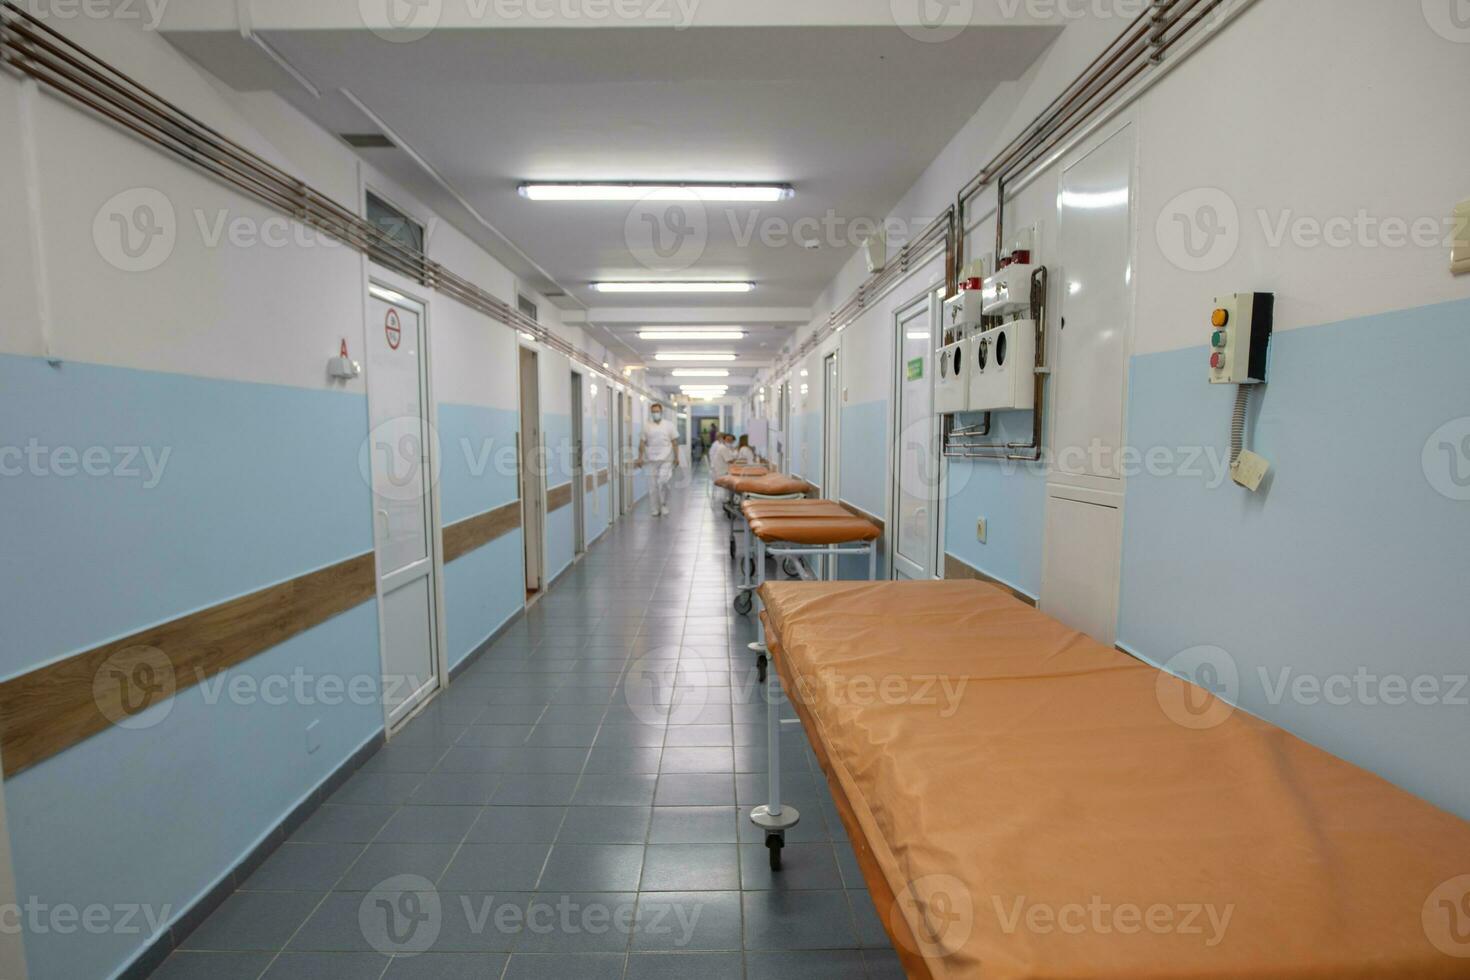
x=787, y=920
x=591, y=966
x=883, y=965
x=518, y=789
x=429, y=825
x=481, y=922
x=578, y=922
x=542, y=760
x=253, y=921
x=495, y=867
x=695, y=790
x=448, y=966
x=593, y=867
x=383, y=861
x=611, y=759
x=833, y=964
x=304, y=867
x=615, y=790
x=684, y=921
x=185, y=965
x=869, y=926
x=683, y=966
x=456, y=789
x=517, y=825
x=605, y=825
x=691, y=867
x=327, y=966
x=377, y=788
x=693, y=825
x=698, y=759
x=339, y=824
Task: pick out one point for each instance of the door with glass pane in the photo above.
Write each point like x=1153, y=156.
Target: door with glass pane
x=916, y=460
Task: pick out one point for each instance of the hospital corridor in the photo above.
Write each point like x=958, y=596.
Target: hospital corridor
x=734, y=490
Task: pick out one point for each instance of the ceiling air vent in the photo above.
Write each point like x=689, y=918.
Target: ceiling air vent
x=368, y=141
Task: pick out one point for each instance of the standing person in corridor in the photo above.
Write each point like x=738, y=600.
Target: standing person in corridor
x=659, y=447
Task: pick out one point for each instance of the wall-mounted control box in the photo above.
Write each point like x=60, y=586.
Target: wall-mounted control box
x=962, y=315
x=1003, y=368
x=1240, y=338
x=951, y=375
x=1008, y=291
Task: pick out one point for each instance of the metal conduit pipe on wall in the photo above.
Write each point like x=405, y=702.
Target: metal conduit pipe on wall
x=33, y=49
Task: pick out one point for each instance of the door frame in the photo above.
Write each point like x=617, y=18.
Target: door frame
x=832, y=425
x=932, y=297
x=536, y=500
x=396, y=293
x=579, y=468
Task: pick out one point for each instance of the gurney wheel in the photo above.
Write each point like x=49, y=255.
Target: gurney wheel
x=791, y=568
x=760, y=667
x=749, y=569
x=774, y=843
x=732, y=547
x=744, y=603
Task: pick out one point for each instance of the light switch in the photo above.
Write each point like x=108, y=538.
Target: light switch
x=1460, y=255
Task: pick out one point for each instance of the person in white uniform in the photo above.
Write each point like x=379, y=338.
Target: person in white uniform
x=658, y=447
x=721, y=454
x=746, y=453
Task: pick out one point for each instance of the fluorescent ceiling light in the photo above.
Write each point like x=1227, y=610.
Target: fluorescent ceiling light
x=701, y=372
x=638, y=191
x=691, y=335
x=693, y=357
x=673, y=287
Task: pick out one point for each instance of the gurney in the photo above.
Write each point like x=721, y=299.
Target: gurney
x=1068, y=811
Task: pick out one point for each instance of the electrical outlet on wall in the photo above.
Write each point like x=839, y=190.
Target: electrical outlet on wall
x=982, y=530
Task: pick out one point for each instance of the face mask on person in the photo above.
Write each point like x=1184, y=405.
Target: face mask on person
x=658, y=416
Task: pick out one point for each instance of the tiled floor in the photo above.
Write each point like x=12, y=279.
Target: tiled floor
x=575, y=806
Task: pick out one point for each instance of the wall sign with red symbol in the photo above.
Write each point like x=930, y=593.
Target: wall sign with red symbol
x=393, y=329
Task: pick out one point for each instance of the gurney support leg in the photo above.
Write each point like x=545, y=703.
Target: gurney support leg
x=774, y=818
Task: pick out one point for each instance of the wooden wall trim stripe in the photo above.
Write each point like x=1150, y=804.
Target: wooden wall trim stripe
x=858, y=511
x=475, y=532
x=558, y=497
x=603, y=476
x=595, y=480
x=61, y=704
x=954, y=568
x=54, y=707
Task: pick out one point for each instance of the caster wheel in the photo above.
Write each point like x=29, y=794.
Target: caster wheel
x=744, y=603
x=748, y=566
x=774, y=843
x=760, y=668
x=732, y=547
x=791, y=568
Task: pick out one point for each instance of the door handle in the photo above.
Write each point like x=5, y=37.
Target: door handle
x=387, y=525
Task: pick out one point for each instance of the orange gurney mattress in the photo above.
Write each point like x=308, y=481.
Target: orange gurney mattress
x=772, y=484
x=1027, y=803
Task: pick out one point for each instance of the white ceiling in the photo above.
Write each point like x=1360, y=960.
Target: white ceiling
x=849, y=116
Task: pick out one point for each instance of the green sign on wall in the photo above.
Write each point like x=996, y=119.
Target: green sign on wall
x=916, y=369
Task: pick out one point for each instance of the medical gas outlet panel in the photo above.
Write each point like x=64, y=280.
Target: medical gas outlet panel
x=1002, y=374
x=964, y=319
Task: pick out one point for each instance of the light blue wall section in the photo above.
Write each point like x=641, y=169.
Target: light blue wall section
x=155, y=816
x=865, y=450
x=478, y=473
x=482, y=590
x=1349, y=560
x=477, y=459
x=806, y=437
x=259, y=484
x=1011, y=495
x=556, y=431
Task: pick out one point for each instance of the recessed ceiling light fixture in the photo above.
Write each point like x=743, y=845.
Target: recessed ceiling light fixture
x=693, y=357
x=701, y=372
x=640, y=190
x=673, y=287
x=683, y=334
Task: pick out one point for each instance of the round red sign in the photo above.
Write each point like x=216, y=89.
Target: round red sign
x=392, y=329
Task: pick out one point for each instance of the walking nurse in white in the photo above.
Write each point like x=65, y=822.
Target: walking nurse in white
x=659, y=448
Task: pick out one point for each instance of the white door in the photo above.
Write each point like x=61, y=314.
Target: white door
x=1082, y=550
x=831, y=427
x=532, y=464
x=579, y=469
x=916, y=469
x=402, y=460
